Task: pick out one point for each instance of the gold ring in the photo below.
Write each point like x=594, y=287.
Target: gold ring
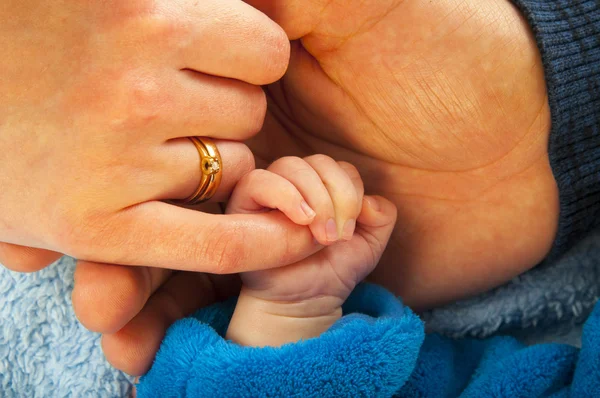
x=210, y=171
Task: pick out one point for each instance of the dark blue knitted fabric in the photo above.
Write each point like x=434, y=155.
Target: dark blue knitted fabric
x=568, y=35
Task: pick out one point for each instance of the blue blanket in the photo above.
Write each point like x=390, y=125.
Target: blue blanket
x=45, y=352
x=378, y=349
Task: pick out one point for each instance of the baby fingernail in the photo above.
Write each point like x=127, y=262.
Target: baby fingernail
x=331, y=230
x=348, y=229
x=310, y=213
x=372, y=203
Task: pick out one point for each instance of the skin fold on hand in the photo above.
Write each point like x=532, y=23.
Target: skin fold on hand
x=442, y=106
x=96, y=102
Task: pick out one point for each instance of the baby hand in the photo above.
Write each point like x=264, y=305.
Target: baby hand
x=304, y=299
x=315, y=191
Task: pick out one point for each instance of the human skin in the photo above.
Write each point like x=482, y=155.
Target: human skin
x=93, y=128
x=96, y=99
x=304, y=299
x=440, y=105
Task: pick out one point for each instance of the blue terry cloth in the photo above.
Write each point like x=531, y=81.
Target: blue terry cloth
x=44, y=351
x=195, y=361
x=377, y=349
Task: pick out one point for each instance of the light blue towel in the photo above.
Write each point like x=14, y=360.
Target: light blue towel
x=45, y=352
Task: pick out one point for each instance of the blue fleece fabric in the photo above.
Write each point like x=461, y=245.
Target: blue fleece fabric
x=377, y=349
x=44, y=351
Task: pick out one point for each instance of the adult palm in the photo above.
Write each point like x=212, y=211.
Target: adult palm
x=442, y=106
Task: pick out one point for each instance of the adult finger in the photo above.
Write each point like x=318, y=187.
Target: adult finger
x=187, y=103
x=158, y=234
x=132, y=349
x=26, y=259
x=178, y=169
x=106, y=296
x=231, y=39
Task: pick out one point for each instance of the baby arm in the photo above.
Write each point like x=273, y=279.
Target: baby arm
x=304, y=299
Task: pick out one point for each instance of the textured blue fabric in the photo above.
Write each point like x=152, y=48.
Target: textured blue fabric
x=544, y=304
x=196, y=361
x=44, y=351
x=376, y=351
x=568, y=35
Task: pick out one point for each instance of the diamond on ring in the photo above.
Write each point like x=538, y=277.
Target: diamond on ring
x=210, y=171
x=210, y=165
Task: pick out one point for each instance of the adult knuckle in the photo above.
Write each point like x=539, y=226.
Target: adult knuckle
x=69, y=232
x=130, y=100
x=144, y=93
x=133, y=35
x=225, y=251
x=96, y=309
x=161, y=27
x=81, y=233
x=141, y=101
x=139, y=21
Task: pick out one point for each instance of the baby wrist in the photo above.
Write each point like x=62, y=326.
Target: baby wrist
x=258, y=322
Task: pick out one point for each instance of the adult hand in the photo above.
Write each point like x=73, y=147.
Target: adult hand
x=442, y=107
x=96, y=99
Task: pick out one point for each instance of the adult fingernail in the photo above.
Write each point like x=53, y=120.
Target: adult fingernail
x=310, y=213
x=373, y=204
x=348, y=229
x=331, y=230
